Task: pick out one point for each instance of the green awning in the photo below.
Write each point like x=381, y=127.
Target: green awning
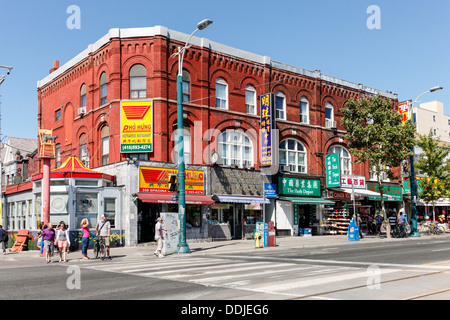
x=311, y=201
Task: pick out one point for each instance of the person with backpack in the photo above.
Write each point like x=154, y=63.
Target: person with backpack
x=3, y=238
x=103, y=230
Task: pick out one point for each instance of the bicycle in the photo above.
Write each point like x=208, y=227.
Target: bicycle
x=433, y=228
x=100, y=248
x=399, y=231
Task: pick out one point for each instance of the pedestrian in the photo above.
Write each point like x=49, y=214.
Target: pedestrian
x=393, y=221
x=63, y=241
x=379, y=219
x=3, y=239
x=159, y=237
x=40, y=242
x=49, y=238
x=103, y=230
x=359, y=223
x=85, y=238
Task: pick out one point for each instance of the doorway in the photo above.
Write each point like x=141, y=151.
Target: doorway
x=147, y=214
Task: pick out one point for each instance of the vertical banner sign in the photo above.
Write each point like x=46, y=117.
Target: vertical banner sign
x=405, y=110
x=333, y=170
x=136, y=126
x=266, y=126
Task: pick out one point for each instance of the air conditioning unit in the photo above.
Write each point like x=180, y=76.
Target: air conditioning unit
x=285, y=168
x=82, y=110
x=330, y=123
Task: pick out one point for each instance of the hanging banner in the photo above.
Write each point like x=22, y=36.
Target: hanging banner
x=136, y=126
x=405, y=110
x=333, y=170
x=266, y=126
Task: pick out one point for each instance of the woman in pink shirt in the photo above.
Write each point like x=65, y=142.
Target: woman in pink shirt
x=85, y=238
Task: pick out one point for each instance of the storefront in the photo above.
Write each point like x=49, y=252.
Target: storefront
x=154, y=197
x=239, y=202
x=299, y=206
x=393, y=198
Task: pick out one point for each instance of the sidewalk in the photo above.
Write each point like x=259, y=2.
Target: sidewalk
x=228, y=247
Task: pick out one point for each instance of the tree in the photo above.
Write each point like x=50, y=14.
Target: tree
x=376, y=134
x=435, y=168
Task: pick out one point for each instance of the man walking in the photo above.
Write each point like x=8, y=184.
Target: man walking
x=159, y=237
x=103, y=230
x=3, y=238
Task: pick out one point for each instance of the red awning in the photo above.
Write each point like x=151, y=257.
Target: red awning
x=170, y=198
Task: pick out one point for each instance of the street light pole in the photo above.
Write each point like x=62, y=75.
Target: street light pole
x=182, y=245
x=412, y=178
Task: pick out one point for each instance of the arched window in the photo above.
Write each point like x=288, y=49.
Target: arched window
x=83, y=149
x=186, y=146
x=138, y=82
x=186, y=86
x=221, y=94
x=236, y=149
x=103, y=89
x=304, y=110
x=83, y=99
x=293, y=154
x=250, y=99
x=329, y=116
x=280, y=104
x=346, y=158
x=104, y=138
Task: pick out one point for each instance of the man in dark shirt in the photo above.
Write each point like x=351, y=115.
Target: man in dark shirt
x=3, y=238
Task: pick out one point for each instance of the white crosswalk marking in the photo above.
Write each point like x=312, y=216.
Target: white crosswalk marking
x=276, y=277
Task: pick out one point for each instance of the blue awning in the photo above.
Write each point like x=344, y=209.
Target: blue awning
x=239, y=199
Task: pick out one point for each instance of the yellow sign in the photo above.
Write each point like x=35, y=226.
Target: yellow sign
x=405, y=110
x=136, y=126
x=156, y=180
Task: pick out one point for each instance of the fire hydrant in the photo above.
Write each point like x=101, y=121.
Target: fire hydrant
x=257, y=238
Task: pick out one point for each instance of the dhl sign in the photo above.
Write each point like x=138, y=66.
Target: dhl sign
x=136, y=126
x=156, y=180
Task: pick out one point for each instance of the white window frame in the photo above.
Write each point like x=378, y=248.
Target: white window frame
x=294, y=165
x=232, y=147
x=280, y=113
x=345, y=160
x=221, y=102
x=304, y=100
x=329, y=122
x=250, y=102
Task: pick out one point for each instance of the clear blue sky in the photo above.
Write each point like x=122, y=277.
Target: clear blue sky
x=408, y=55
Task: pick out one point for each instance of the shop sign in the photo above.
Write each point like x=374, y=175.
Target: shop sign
x=299, y=187
x=266, y=126
x=357, y=182
x=339, y=195
x=407, y=185
x=333, y=171
x=236, y=182
x=136, y=126
x=404, y=109
x=391, y=193
x=270, y=189
x=157, y=179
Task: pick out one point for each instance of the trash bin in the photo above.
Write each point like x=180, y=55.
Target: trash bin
x=272, y=235
x=353, y=231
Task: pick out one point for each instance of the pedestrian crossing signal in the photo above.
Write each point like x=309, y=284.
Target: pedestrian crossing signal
x=173, y=183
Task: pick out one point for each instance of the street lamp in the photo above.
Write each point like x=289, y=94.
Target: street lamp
x=412, y=178
x=182, y=245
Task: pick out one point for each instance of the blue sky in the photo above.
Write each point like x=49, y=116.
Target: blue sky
x=408, y=55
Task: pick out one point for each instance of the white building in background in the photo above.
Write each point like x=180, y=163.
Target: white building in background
x=430, y=115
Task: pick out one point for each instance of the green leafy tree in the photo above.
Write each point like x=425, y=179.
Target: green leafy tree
x=376, y=134
x=436, y=169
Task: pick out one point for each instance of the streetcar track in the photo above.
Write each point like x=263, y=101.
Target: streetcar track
x=428, y=294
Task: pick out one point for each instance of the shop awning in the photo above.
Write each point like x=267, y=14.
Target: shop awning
x=240, y=199
x=171, y=198
x=311, y=201
x=359, y=192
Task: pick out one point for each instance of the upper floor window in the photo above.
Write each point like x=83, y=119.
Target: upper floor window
x=186, y=86
x=293, y=154
x=186, y=146
x=280, y=104
x=329, y=116
x=58, y=155
x=236, y=149
x=304, y=110
x=221, y=93
x=346, y=159
x=138, y=82
x=58, y=115
x=103, y=89
x=104, y=137
x=250, y=99
x=83, y=99
x=83, y=149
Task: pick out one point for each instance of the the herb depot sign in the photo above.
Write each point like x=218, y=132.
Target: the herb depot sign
x=298, y=187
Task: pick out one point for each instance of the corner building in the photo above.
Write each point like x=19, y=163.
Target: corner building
x=81, y=102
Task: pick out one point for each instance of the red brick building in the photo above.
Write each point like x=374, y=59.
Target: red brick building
x=80, y=101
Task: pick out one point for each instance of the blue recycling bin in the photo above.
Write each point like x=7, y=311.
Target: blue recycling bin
x=263, y=229
x=353, y=231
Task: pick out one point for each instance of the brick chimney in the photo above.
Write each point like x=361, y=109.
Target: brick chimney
x=55, y=66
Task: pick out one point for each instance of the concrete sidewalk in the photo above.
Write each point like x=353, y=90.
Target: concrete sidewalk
x=229, y=247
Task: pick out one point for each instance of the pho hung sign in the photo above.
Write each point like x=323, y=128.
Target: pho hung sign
x=136, y=126
x=156, y=180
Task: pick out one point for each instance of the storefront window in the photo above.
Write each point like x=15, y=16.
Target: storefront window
x=110, y=211
x=193, y=214
x=59, y=208
x=86, y=207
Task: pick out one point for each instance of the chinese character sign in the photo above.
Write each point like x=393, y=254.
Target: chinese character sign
x=266, y=126
x=358, y=182
x=333, y=171
x=299, y=187
x=404, y=109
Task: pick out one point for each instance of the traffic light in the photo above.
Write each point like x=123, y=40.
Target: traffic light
x=173, y=183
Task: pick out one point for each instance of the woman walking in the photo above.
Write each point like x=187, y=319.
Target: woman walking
x=63, y=241
x=85, y=238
